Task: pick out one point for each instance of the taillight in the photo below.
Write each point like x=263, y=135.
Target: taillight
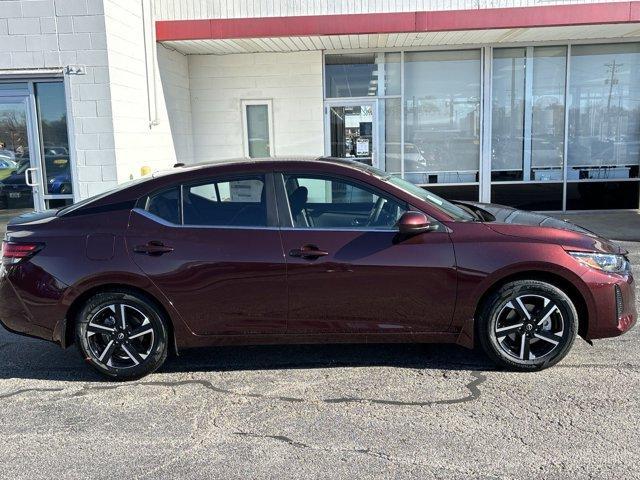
x=14, y=252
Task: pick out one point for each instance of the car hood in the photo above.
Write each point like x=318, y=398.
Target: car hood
x=541, y=227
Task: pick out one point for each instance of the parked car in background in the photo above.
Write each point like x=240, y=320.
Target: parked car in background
x=7, y=167
x=276, y=251
x=15, y=193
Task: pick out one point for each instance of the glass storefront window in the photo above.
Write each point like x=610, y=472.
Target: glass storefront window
x=392, y=73
x=547, y=112
x=389, y=126
x=442, y=116
x=351, y=130
x=427, y=121
x=507, y=122
x=52, y=117
x=362, y=74
x=14, y=86
x=527, y=142
x=604, y=115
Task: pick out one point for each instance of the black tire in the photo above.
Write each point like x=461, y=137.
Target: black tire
x=549, y=325
x=117, y=350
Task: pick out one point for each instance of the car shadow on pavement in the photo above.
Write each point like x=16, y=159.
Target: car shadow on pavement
x=38, y=360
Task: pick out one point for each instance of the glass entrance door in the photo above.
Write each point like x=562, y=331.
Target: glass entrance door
x=352, y=131
x=35, y=162
x=17, y=176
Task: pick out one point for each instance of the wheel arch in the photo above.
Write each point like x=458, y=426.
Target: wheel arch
x=76, y=305
x=557, y=280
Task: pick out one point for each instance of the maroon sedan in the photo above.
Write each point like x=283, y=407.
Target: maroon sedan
x=314, y=251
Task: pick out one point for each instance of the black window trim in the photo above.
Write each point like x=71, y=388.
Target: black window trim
x=284, y=210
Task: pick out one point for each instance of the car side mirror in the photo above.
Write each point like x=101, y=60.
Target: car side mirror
x=413, y=223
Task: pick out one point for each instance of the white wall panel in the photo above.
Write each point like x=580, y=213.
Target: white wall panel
x=293, y=81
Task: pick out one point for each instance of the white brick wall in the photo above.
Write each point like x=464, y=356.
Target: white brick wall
x=41, y=34
x=293, y=81
x=133, y=106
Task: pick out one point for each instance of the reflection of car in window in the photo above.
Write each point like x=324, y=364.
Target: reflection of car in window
x=56, y=151
x=7, y=166
x=7, y=154
x=14, y=191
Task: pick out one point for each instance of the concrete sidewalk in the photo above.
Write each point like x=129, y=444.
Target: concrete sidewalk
x=617, y=225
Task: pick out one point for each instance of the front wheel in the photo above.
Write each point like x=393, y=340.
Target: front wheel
x=527, y=325
x=122, y=335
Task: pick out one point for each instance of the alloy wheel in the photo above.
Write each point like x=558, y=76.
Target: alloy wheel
x=120, y=336
x=529, y=327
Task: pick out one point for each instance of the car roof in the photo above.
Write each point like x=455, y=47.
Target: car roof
x=244, y=162
x=164, y=178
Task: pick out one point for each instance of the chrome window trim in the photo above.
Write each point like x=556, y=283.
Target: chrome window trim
x=162, y=221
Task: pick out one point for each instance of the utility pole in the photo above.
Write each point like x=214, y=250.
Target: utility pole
x=612, y=81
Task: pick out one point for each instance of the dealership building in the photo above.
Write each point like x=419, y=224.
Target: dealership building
x=530, y=103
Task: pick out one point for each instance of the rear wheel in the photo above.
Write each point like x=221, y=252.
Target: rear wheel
x=122, y=335
x=527, y=325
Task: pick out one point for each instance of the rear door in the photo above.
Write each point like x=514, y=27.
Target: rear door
x=348, y=271
x=213, y=248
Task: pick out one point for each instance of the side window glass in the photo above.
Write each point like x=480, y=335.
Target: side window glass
x=337, y=203
x=165, y=204
x=228, y=202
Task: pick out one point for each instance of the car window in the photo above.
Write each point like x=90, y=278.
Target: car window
x=317, y=202
x=165, y=204
x=230, y=202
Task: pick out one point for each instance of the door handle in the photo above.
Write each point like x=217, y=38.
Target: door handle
x=308, y=252
x=28, y=177
x=153, y=248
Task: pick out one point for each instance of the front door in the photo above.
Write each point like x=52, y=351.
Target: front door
x=351, y=127
x=346, y=271
x=215, y=253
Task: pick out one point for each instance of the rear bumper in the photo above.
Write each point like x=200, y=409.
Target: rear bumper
x=30, y=300
x=612, y=313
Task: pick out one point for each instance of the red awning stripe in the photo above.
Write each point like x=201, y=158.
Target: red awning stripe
x=433, y=21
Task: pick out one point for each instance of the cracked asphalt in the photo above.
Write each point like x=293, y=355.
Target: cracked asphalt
x=342, y=411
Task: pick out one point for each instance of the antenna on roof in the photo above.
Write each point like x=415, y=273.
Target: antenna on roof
x=178, y=165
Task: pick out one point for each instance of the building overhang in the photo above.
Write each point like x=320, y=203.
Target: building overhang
x=403, y=29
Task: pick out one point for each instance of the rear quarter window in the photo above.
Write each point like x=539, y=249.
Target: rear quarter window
x=164, y=204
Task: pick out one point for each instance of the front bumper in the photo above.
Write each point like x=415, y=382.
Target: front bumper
x=611, y=313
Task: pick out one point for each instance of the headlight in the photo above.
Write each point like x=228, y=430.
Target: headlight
x=607, y=262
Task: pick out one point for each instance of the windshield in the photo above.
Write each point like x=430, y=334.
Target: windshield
x=457, y=213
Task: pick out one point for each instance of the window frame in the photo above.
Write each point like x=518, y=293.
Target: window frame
x=270, y=200
x=245, y=126
x=284, y=210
